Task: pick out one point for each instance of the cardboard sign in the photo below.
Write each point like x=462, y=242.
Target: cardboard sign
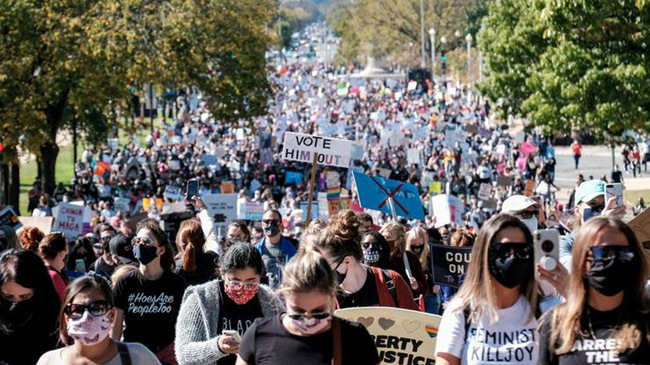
x=529, y=190
x=640, y=225
x=375, y=192
x=384, y=172
x=331, y=151
x=221, y=207
x=9, y=218
x=504, y=181
x=42, y=223
x=446, y=209
x=484, y=191
x=292, y=177
x=401, y=336
x=227, y=187
x=69, y=220
x=252, y=211
x=450, y=264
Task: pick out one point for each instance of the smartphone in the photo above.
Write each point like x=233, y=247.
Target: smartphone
x=234, y=334
x=546, y=246
x=79, y=265
x=192, y=188
x=615, y=190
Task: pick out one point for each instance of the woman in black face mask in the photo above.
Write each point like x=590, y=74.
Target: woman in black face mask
x=29, y=307
x=605, y=317
x=148, y=299
x=491, y=318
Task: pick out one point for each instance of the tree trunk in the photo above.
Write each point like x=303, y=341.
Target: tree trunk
x=49, y=153
x=14, y=187
x=4, y=184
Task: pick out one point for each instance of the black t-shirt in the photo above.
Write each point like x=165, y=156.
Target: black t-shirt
x=206, y=269
x=101, y=267
x=150, y=307
x=267, y=342
x=600, y=350
x=617, y=176
x=367, y=296
x=236, y=317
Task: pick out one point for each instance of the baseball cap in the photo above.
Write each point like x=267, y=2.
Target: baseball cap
x=517, y=203
x=589, y=190
x=121, y=247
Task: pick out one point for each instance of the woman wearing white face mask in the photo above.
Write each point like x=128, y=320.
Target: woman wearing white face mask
x=85, y=324
x=307, y=333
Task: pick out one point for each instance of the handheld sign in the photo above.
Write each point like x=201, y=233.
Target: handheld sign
x=252, y=211
x=530, y=188
x=640, y=225
x=484, y=191
x=330, y=151
x=377, y=192
x=69, y=220
x=401, y=336
x=221, y=207
x=447, y=209
x=450, y=264
x=42, y=223
x=9, y=218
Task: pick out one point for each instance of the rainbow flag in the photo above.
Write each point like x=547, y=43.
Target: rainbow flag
x=334, y=193
x=431, y=331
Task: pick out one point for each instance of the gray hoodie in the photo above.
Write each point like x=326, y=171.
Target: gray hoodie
x=197, y=326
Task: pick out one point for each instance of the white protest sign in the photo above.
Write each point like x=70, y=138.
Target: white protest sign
x=221, y=207
x=484, y=191
x=323, y=208
x=252, y=211
x=173, y=192
x=69, y=220
x=447, y=209
x=413, y=156
x=331, y=151
x=122, y=205
x=401, y=336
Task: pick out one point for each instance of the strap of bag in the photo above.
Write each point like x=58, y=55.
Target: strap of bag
x=125, y=356
x=390, y=285
x=337, y=358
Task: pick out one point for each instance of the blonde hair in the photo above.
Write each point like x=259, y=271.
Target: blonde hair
x=477, y=293
x=307, y=271
x=121, y=271
x=566, y=324
x=396, y=230
x=419, y=233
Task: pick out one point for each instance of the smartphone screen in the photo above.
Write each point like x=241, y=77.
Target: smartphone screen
x=615, y=190
x=192, y=188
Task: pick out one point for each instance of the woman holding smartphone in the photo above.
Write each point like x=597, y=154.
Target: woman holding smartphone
x=492, y=317
x=605, y=317
x=307, y=333
x=215, y=315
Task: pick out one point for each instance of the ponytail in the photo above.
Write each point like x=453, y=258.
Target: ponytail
x=190, y=240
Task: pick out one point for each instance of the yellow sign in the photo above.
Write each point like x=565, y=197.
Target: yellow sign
x=435, y=187
x=227, y=188
x=402, y=336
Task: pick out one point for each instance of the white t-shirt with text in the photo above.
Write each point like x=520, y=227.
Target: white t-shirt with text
x=139, y=355
x=513, y=338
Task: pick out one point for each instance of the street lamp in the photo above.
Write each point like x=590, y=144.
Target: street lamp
x=468, y=38
x=432, y=36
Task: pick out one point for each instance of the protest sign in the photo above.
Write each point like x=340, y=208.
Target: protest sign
x=435, y=187
x=323, y=206
x=42, y=223
x=69, y=220
x=121, y=204
x=173, y=193
x=314, y=210
x=640, y=225
x=450, y=264
x=292, y=177
x=383, y=172
x=375, y=193
x=484, y=191
x=331, y=151
x=401, y=336
x=530, y=188
x=413, y=156
x=209, y=160
x=504, y=181
x=221, y=207
x=227, y=187
x=446, y=209
x=9, y=218
x=252, y=211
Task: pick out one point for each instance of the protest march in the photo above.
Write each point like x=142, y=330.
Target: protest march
x=363, y=220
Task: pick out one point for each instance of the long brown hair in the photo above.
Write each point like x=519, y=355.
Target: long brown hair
x=82, y=284
x=476, y=293
x=167, y=258
x=190, y=241
x=566, y=323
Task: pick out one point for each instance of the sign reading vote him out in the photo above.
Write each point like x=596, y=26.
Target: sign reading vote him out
x=331, y=151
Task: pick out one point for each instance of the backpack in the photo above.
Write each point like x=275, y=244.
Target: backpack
x=390, y=285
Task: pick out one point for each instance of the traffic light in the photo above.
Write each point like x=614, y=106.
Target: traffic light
x=443, y=64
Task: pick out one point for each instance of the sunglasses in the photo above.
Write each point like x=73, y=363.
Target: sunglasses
x=270, y=221
x=609, y=252
x=507, y=249
x=301, y=316
x=106, y=239
x=95, y=308
x=146, y=241
x=528, y=214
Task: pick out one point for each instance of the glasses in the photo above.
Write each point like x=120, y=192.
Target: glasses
x=106, y=239
x=528, y=214
x=270, y=221
x=146, y=241
x=301, y=316
x=507, y=249
x=244, y=283
x=609, y=252
x=95, y=308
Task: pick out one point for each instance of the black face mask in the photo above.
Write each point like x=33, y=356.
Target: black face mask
x=609, y=276
x=15, y=315
x=376, y=254
x=145, y=254
x=510, y=271
x=340, y=277
x=417, y=249
x=271, y=229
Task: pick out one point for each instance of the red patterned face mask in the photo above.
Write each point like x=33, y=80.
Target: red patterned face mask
x=241, y=293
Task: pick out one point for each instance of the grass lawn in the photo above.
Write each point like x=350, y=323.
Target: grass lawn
x=632, y=197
